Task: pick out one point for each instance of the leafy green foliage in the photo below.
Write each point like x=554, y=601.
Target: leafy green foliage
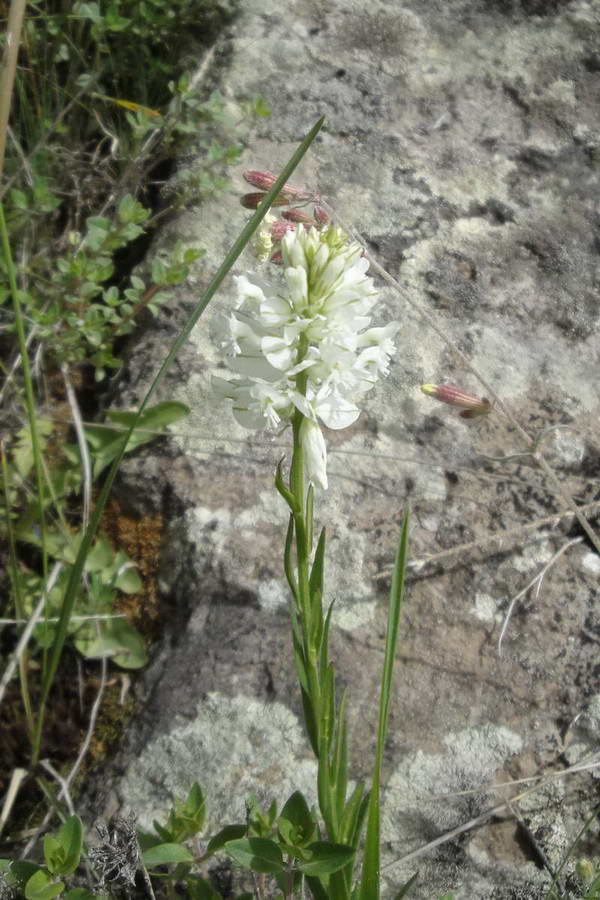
x=63, y=849
x=185, y=819
x=109, y=573
x=256, y=854
x=62, y=855
x=81, y=314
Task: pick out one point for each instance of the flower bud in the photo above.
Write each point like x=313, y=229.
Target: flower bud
x=262, y=180
x=298, y=215
x=252, y=201
x=279, y=228
x=266, y=180
x=446, y=393
x=321, y=216
x=315, y=453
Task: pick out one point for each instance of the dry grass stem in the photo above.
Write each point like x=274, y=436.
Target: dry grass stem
x=537, y=582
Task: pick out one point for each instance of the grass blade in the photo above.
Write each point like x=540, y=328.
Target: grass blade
x=77, y=569
x=369, y=886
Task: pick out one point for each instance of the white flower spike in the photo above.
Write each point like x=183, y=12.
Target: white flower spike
x=306, y=343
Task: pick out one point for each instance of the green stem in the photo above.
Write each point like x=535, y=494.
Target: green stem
x=303, y=552
x=31, y=415
x=19, y=605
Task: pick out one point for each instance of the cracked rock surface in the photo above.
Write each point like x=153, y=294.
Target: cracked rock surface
x=462, y=141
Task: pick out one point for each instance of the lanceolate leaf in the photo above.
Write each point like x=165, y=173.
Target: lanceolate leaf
x=326, y=858
x=257, y=854
x=370, y=881
x=163, y=854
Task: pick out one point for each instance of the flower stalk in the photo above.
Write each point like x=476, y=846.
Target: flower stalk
x=303, y=353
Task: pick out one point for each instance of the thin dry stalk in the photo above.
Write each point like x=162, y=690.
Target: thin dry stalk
x=66, y=782
x=16, y=779
x=478, y=820
x=537, y=582
x=24, y=639
x=83, y=448
x=500, y=541
x=64, y=790
x=14, y=27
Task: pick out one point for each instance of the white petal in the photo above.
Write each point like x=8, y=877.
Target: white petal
x=315, y=453
x=279, y=352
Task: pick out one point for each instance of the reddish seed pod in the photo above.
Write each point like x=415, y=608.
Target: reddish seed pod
x=262, y=180
x=252, y=201
x=266, y=180
x=472, y=406
x=298, y=215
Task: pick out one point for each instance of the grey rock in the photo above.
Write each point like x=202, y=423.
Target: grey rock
x=462, y=143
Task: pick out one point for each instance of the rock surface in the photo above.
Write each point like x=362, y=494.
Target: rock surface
x=462, y=142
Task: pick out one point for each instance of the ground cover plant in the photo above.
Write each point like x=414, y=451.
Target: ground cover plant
x=301, y=358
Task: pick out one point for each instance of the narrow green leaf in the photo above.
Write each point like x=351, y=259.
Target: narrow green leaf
x=316, y=888
x=370, y=880
x=354, y=816
x=228, y=833
x=154, y=418
x=340, y=759
x=324, y=791
x=316, y=588
x=324, y=650
x=195, y=807
x=299, y=657
x=327, y=706
x=257, y=854
x=310, y=507
x=403, y=892
x=163, y=854
x=317, y=574
x=163, y=833
x=284, y=490
x=326, y=858
x=309, y=720
x=77, y=569
x=288, y=565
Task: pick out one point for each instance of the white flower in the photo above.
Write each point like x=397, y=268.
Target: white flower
x=315, y=453
x=306, y=343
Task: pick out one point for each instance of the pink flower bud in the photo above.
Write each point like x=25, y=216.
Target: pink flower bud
x=266, y=180
x=471, y=406
x=262, y=180
x=298, y=215
x=321, y=216
x=279, y=228
x=252, y=201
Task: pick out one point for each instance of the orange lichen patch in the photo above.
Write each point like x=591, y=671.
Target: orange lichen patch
x=141, y=540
